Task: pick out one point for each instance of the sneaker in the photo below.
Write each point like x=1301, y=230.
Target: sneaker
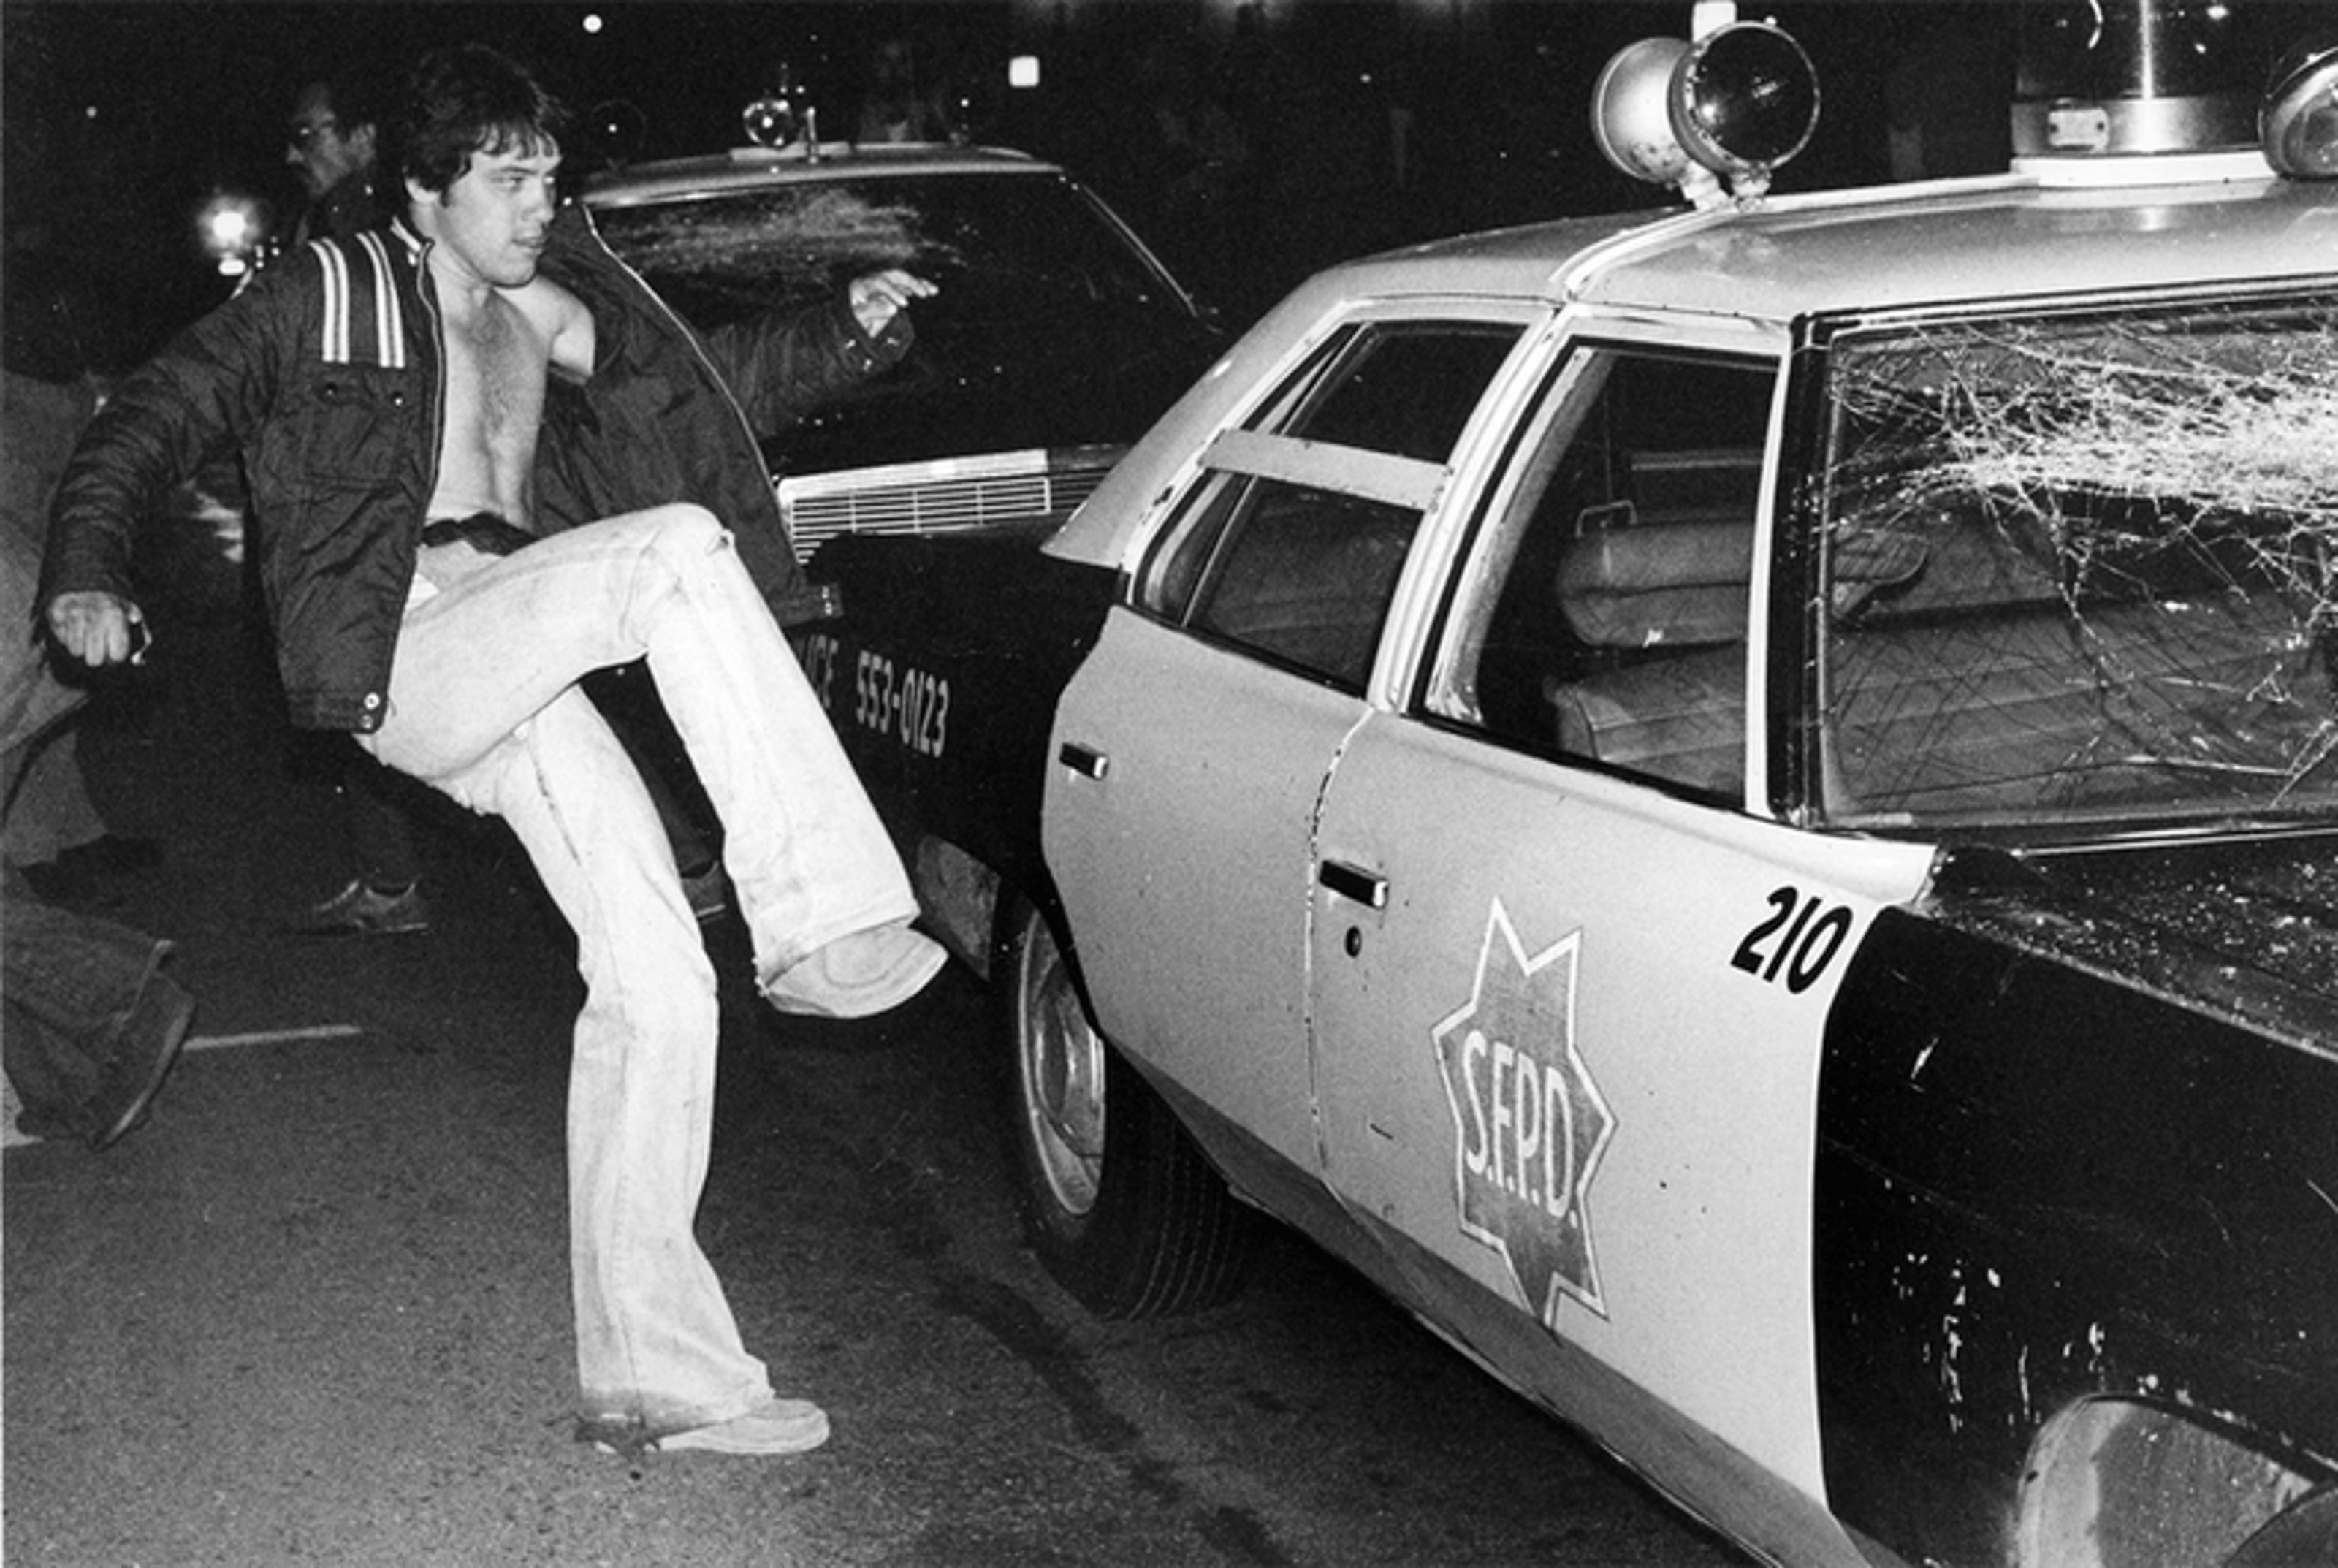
x=858, y=976
x=775, y=1426
x=144, y=1052
x=361, y=910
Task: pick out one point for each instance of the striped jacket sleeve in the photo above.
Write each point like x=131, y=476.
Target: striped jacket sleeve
x=199, y=400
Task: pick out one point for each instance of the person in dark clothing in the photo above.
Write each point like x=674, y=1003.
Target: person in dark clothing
x=332, y=138
x=330, y=141
x=58, y=348
x=485, y=462
x=1948, y=102
x=89, y=1023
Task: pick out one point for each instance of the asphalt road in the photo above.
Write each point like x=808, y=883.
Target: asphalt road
x=316, y=1311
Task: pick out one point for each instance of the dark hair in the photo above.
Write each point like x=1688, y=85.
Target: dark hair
x=354, y=92
x=466, y=100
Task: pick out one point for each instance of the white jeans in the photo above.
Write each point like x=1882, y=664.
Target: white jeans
x=483, y=705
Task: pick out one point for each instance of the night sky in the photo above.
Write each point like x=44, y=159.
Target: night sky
x=123, y=117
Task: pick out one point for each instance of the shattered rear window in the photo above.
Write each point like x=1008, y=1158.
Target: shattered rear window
x=2083, y=567
x=1021, y=240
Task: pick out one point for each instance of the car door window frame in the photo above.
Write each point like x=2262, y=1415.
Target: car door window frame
x=1566, y=393
x=1256, y=467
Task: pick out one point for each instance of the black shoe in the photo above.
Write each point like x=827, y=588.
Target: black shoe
x=148, y=1043
x=360, y=910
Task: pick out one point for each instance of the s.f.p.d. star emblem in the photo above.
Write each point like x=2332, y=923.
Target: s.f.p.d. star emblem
x=1529, y=1125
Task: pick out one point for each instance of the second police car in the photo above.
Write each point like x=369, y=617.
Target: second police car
x=1057, y=339
x=1739, y=807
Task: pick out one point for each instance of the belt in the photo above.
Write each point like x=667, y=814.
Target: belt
x=485, y=531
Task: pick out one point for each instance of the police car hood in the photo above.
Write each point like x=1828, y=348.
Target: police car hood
x=2244, y=929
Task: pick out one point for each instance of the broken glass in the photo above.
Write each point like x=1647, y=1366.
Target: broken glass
x=2082, y=567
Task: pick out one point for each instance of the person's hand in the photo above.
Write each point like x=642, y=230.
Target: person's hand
x=98, y=628
x=878, y=296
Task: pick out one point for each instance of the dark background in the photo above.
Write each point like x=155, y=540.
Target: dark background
x=125, y=115
x=124, y=119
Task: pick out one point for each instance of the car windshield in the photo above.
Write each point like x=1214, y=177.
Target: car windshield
x=1009, y=242
x=2082, y=568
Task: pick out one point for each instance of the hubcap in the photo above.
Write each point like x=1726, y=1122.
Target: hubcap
x=1062, y=1076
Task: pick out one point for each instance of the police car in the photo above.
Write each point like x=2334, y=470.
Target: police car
x=1057, y=337
x=1737, y=806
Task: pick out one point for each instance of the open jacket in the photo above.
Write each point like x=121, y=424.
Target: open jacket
x=328, y=374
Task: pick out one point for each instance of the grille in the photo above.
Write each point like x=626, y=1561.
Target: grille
x=940, y=496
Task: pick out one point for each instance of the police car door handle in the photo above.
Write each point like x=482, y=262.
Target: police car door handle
x=1354, y=882
x=1084, y=761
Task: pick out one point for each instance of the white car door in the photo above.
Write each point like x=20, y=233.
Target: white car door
x=1569, y=983
x=1192, y=744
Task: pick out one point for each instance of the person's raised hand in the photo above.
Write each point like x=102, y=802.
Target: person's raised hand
x=878, y=296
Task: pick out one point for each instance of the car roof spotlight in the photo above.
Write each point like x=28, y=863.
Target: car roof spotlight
x=1734, y=106
x=2298, y=122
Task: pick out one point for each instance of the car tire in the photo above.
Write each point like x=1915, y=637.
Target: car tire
x=1120, y=1205
x=2306, y=1531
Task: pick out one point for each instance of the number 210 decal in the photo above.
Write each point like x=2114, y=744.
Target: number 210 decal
x=1796, y=943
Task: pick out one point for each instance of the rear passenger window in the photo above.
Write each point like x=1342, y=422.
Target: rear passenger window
x=1290, y=542
x=1305, y=575
x=2080, y=566
x=1404, y=389
x=1604, y=615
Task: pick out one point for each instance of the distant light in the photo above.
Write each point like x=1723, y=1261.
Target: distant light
x=592, y=23
x=1023, y=72
x=89, y=112
x=233, y=266
x=231, y=227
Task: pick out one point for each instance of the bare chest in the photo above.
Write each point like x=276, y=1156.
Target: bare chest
x=495, y=368
x=496, y=362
